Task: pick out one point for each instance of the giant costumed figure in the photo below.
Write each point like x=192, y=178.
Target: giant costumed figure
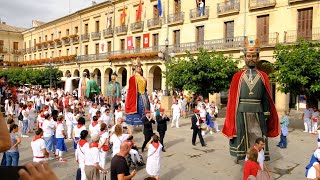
x=137, y=101
x=82, y=86
x=113, y=91
x=68, y=84
x=92, y=88
x=251, y=112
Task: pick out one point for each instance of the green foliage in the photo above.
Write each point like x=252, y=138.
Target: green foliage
x=19, y=76
x=204, y=73
x=297, y=68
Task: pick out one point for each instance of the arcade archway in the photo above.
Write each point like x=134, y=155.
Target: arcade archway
x=76, y=73
x=122, y=76
x=67, y=73
x=97, y=77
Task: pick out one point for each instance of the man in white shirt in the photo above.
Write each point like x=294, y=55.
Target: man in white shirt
x=106, y=117
x=38, y=147
x=307, y=118
x=176, y=111
x=94, y=127
x=48, y=133
x=93, y=111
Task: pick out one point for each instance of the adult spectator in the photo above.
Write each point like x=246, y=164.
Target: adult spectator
x=117, y=138
x=48, y=133
x=176, y=112
x=306, y=117
x=94, y=127
x=25, y=121
x=251, y=166
x=153, y=161
x=81, y=150
x=147, y=128
x=196, y=127
x=162, y=120
x=77, y=130
x=12, y=155
x=119, y=166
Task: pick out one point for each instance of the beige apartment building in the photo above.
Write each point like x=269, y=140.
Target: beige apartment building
x=104, y=37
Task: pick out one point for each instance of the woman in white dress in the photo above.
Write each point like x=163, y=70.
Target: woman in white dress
x=153, y=161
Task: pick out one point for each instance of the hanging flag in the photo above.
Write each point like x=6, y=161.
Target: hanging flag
x=138, y=18
x=145, y=40
x=129, y=43
x=108, y=20
x=159, y=8
x=123, y=16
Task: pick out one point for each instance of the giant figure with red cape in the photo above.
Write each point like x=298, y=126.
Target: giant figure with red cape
x=137, y=101
x=251, y=112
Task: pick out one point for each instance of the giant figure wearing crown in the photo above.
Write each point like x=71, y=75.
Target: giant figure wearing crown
x=137, y=99
x=251, y=112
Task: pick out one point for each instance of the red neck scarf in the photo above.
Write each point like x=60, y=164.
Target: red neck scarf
x=119, y=110
x=59, y=122
x=36, y=138
x=93, y=144
x=156, y=145
x=29, y=107
x=94, y=123
x=82, y=142
x=102, y=132
x=79, y=126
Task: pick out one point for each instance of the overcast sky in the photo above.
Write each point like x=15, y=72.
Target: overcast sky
x=20, y=13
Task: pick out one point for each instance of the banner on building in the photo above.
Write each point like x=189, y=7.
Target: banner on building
x=102, y=47
x=146, y=40
x=129, y=43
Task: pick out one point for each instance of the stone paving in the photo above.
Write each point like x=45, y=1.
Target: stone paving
x=182, y=161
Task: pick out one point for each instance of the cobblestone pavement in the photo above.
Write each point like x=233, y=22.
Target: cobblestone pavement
x=182, y=161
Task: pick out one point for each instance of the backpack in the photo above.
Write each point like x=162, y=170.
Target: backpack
x=20, y=117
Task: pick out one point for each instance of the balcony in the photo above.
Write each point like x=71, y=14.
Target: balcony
x=229, y=7
x=267, y=40
x=215, y=44
x=39, y=46
x=197, y=15
x=74, y=39
x=33, y=49
x=108, y=32
x=59, y=44
x=85, y=37
x=154, y=23
x=121, y=30
x=3, y=50
x=137, y=26
x=45, y=46
x=96, y=35
x=294, y=36
x=258, y=4
x=177, y=18
x=66, y=40
x=17, y=52
x=51, y=45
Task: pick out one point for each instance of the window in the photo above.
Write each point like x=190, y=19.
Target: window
x=39, y=39
x=109, y=46
x=30, y=57
x=15, y=45
x=67, y=32
x=86, y=28
x=34, y=42
x=305, y=23
x=25, y=58
x=176, y=37
x=59, y=34
x=45, y=38
x=155, y=11
x=122, y=44
x=59, y=53
x=1, y=45
x=40, y=55
x=46, y=55
x=97, y=26
x=86, y=50
x=67, y=52
x=263, y=29
x=52, y=37
x=76, y=50
x=229, y=31
x=25, y=44
x=52, y=53
x=138, y=43
x=177, y=6
x=200, y=34
x=76, y=30
x=97, y=48
x=30, y=43
x=155, y=39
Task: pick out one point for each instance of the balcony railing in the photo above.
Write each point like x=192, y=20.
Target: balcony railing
x=59, y=44
x=85, y=37
x=3, y=50
x=51, y=45
x=270, y=39
x=176, y=18
x=257, y=4
x=108, y=32
x=228, y=7
x=66, y=41
x=45, y=46
x=215, y=44
x=199, y=14
x=137, y=26
x=121, y=30
x=154, y=23
x=96, y=35
x=17, y=52
x=39, y=46
x=75, y=39
x=33, y=49
x=310, y=35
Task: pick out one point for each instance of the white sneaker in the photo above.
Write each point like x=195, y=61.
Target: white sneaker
x=218, y=130
x=211, y=132
x=177, y=127
x=25, y=136
x=305, y=131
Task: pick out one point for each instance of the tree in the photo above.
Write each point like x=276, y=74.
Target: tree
x=297, y=69
x=204, y=73
x=20, y=76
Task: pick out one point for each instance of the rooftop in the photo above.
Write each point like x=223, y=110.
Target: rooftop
x=6, y=27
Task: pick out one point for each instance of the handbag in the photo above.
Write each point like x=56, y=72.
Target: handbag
x=262, y=175
x=105, y=148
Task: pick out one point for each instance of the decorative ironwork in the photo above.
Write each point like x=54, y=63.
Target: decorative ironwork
x=228, y=7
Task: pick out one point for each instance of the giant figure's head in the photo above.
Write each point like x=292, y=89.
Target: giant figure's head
x=251, y=52
x=136, y=65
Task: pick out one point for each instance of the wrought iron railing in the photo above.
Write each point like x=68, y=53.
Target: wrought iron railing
x=176, y=18
x=107, y=32
x=96, y=35
x=270, y=39
x=154, y=22
x=255, y=4
x=308, y=35
x=137, y=26
x=199, y=13
x=85, y=37
x=122, y=29
x=228, y=7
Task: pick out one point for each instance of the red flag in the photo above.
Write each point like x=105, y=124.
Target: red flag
x=129, y=43
x=146, y=40
x=123, y=16
x=138, y=18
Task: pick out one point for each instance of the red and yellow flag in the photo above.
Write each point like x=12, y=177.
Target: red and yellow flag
x=138, y=18
x=123, y=16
